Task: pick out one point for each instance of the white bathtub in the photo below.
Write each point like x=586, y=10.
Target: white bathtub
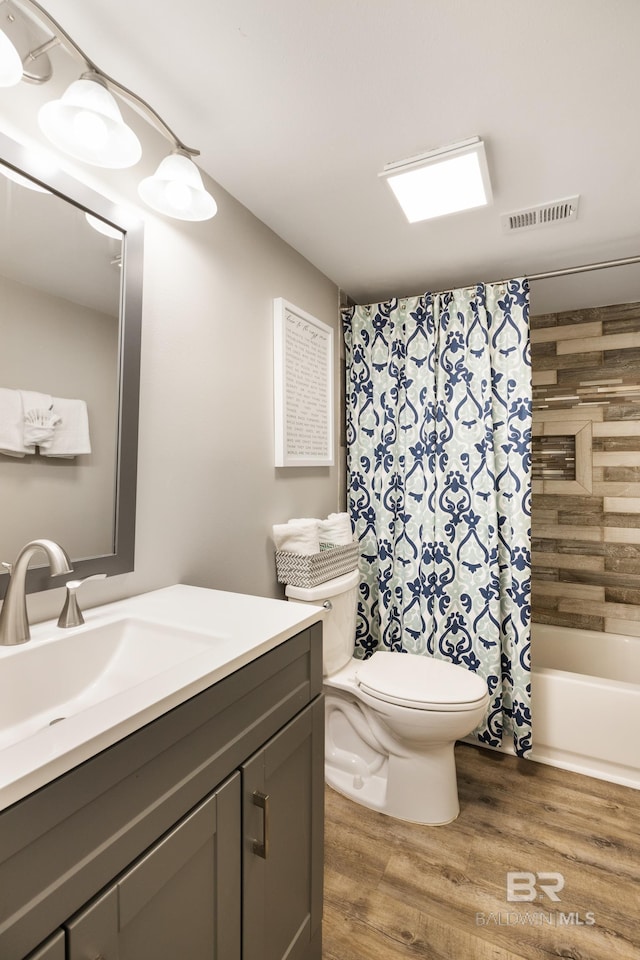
x=585, y=694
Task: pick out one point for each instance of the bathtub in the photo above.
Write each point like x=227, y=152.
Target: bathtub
x=585, y=696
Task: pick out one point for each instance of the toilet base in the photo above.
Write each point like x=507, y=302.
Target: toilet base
x=371, y=794
x=419, y=788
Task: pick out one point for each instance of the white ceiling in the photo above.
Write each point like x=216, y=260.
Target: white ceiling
x=296, y=105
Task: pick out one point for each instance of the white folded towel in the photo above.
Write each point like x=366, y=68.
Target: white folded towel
x=11, y=424
x=39, y=425
x=71, y=434
x=336, y=529
x=33, y=400
x=38, y=420
x=297, y=536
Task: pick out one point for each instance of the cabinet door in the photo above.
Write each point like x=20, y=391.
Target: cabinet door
x=283, y=814
x=53, y=949
x=181, y=899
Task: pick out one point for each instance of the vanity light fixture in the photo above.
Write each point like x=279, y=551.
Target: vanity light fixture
x=23, y=55
x=176, y=189
x=440, y=182
x=10, y=60
x=86, y=122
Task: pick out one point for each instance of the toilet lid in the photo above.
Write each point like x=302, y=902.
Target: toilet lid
x=420, y=682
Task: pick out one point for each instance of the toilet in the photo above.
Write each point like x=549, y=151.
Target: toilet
x=391, y=721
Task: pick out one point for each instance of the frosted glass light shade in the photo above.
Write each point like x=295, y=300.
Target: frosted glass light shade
x=10, y=62
x=176, y=189
x=87, y=124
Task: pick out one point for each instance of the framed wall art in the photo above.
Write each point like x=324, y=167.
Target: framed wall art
x=303, y=388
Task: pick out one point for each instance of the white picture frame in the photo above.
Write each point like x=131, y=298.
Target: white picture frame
x=303, y=388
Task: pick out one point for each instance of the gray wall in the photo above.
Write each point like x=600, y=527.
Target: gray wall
x=208, y=491
x=36, y=329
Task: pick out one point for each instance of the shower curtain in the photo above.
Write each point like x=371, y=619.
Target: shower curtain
x=438, y=397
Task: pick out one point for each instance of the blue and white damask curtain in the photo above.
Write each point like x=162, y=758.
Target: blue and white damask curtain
x=439, y=469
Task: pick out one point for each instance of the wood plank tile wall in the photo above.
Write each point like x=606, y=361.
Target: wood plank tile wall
x=586, y=529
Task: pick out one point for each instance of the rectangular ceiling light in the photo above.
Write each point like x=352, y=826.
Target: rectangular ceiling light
x=441, y=182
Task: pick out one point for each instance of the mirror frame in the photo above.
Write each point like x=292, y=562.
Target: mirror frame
x=15, y=155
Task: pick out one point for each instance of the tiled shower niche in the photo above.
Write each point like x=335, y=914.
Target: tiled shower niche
x=586, y=468
x=554, y=457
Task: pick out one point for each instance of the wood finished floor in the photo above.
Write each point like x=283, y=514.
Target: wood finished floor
x=400, y=891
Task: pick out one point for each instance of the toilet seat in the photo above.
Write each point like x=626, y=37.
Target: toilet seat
x=422, y=683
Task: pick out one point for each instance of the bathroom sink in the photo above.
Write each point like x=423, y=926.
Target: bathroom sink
x=45, y=683
x=66, y=695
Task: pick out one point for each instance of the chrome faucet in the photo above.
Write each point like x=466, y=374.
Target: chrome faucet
x=14, y=622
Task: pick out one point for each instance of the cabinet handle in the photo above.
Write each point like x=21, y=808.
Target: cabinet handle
x=262, y=800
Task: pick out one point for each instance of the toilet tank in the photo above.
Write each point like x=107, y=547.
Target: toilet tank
x=339, y=627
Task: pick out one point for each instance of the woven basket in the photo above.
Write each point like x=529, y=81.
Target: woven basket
x=302, y=570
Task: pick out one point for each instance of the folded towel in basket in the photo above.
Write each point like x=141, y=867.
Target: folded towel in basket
x=336, y=529
x=297, y=536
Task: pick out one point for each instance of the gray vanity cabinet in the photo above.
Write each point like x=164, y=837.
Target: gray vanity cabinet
x=283, y=806
x=181, y=899
x=53, y=949
x=198, y=836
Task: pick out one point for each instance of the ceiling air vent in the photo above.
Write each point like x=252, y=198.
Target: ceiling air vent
x=541, y=215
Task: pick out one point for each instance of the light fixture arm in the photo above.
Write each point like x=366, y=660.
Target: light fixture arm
x=43, y=48
x=155, y=118
x=60, y=36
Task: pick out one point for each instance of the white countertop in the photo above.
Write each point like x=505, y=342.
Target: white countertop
x=236, y=629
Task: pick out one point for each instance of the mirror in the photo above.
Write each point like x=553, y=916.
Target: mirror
x=70, y=318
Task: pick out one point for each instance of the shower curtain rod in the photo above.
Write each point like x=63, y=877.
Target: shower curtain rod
x=568, y=271
x=585, y=268
x=564, y=272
